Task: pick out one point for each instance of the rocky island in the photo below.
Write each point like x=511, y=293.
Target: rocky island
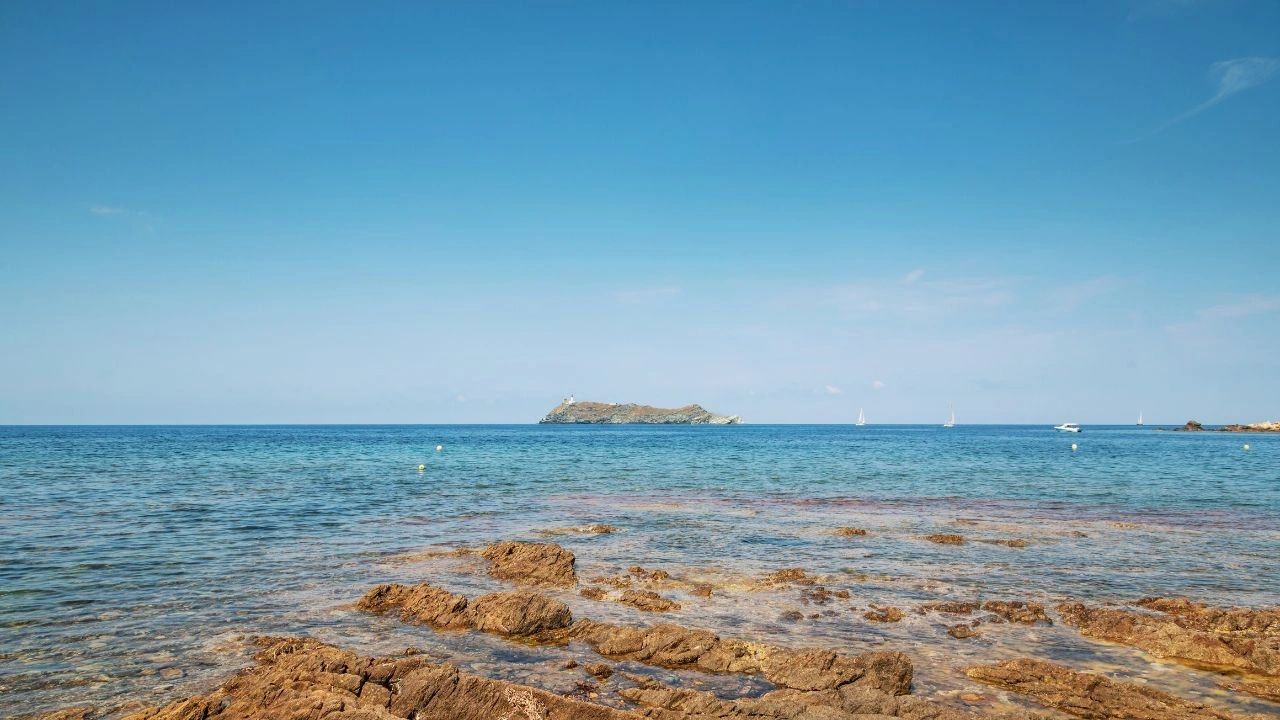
x=574, y=412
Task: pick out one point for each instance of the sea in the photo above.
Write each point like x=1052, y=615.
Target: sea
x=138, y=563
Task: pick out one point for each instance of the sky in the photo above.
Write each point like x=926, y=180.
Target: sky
x=462, y=212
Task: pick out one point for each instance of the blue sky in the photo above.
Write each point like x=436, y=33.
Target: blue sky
x=460, y=212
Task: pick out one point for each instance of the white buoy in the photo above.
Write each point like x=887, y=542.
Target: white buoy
x=1075, y=446
x=421, y=468
x=1246, y=446
x=439, y=448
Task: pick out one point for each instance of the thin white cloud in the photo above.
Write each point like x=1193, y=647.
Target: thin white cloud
x=877, y=385
x=643, y=296
x=106, y=210
x=144, y=219
x=922, y=298
x=1243, y=307
x=1232, y=77
x=913, y=276
x=833, y=390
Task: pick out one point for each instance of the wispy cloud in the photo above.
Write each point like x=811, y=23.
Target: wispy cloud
x=144, y=219
x=833, y=390
x=877, y=385
x=1249, y=305
x=1232, y=77
x=913, y=276
x=918, y=298
x=644, y=296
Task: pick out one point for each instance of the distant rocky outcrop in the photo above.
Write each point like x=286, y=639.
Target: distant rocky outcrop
x=1193, y=426
x=587, y=412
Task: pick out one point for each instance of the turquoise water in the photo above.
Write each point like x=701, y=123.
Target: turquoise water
x=133, y=559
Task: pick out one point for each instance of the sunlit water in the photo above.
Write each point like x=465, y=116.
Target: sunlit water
x=134, y=560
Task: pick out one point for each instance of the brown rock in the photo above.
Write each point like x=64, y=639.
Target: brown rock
x=302, y=679
x=945, y=539
x=648, y=601
x=82, y=712
x=531, y=563
x=851, y=532
x=884, y=615
x=1027, y=613
x=1091, y=696
x=791, y=616
x=702, y=589
x=422, y=603
x=789, y=576
x=599, y=671
x=1194, y=634
x=600, y=529
x=651, y=575
x=592, y=593
x=961, y=631
x=519, y=613
x=1263, y=687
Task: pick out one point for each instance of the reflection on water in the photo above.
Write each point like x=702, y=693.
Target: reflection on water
x=134, y=560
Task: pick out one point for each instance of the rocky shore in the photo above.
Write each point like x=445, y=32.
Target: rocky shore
x=305, y=679
x=599, y=413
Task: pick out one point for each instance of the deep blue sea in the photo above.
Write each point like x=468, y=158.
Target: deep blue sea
x=133, y=560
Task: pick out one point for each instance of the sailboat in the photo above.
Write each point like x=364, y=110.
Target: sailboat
x=951, y=422
x=1140, y=418
x=862, y=419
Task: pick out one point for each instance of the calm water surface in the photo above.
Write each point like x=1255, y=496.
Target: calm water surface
x=134, y=560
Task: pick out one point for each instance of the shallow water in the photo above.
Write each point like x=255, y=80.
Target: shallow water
x=133, y=560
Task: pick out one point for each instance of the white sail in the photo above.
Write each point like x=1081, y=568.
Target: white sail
x=1140, y=418
x=951, y=422
x=862, y=419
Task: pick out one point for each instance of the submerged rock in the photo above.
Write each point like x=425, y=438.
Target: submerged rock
x=945, y=539
x=850, y=532
x=303, y=679
x=1091, y=696
x=1229, y=639
x=648, y=601
x=1010, y=542
x=1027, y=613
x=884, y=615
x=531, y=563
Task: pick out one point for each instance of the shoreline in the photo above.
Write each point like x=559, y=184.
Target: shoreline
x=611, y=662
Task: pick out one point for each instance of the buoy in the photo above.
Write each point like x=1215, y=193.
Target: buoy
x=1074, y=446
x=1246, y=446
x=421, y=468
x=439, y=448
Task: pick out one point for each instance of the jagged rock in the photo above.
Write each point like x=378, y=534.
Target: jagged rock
x=531, y=563
x=1027, y=613
x=303, y=679
x=676, y=647
x=702, y=589
x=850, y=532
x=1191, y=426
x=600, y=529
x=648, y=601
x=884, y=615
x=1222, y=620
x=961, y=631
x=1233, y=638
x=650, y=575
x=599, y=671
x=519, y=613
x=791, y=616
x=849, y=702
x=1091, y=696
x=586, y=411
x=819, y=595
x=592, y=593
x=83, y=712
x=788, y=576
x=422, y=603
x=945, y=539
x=514, y=613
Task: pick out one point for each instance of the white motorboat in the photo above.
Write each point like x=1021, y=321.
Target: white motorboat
x=1067, y=427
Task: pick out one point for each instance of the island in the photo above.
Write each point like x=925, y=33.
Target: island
x=577, y=412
